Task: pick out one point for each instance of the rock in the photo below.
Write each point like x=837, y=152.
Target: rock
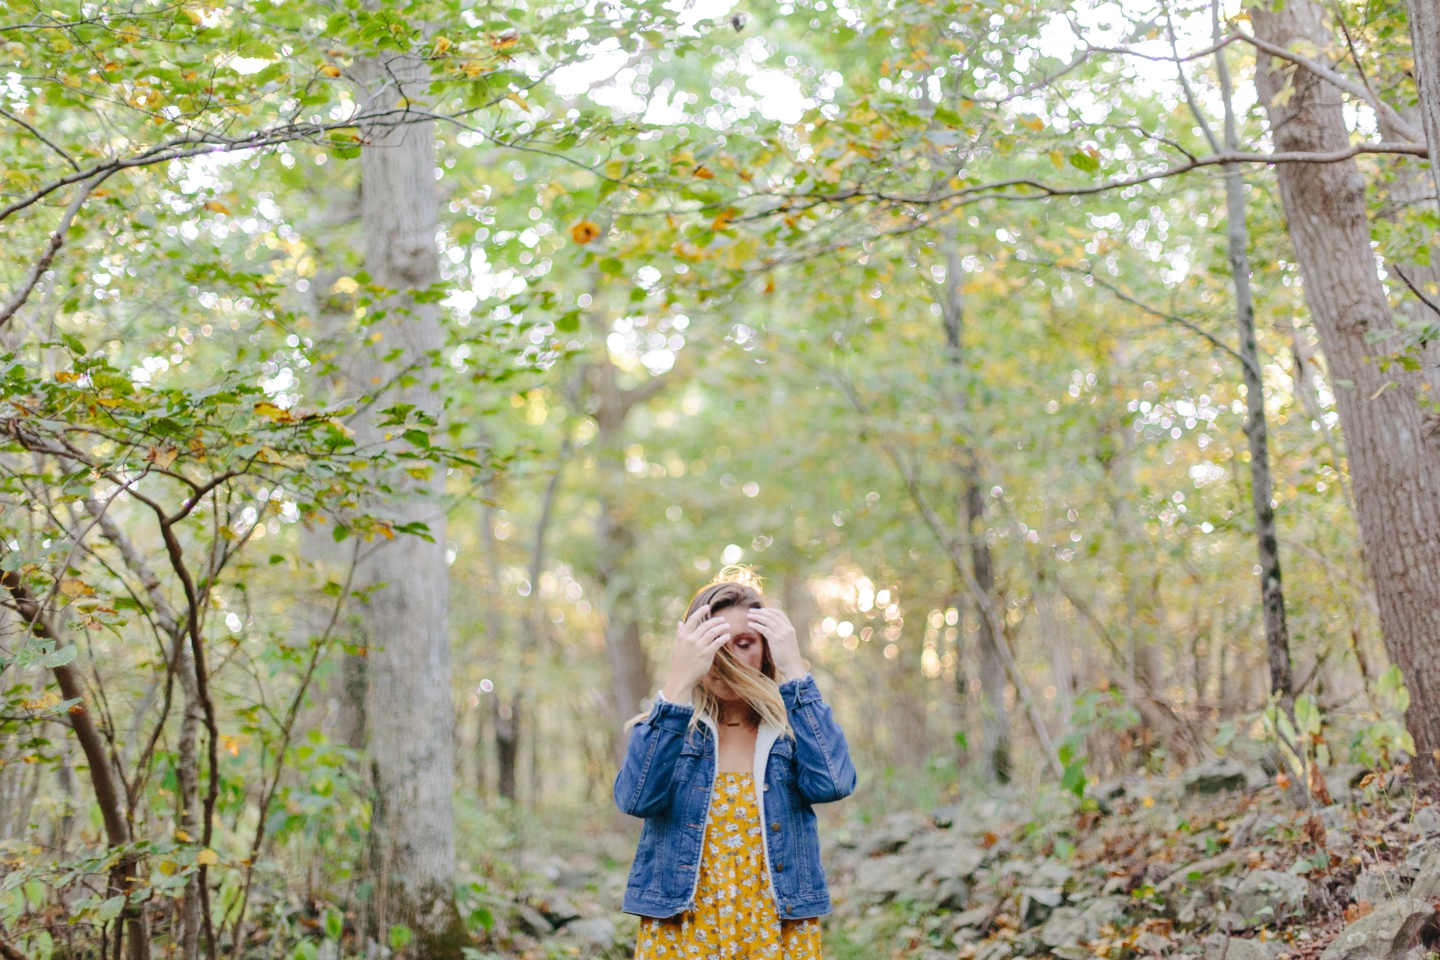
x=1036, y=904
x=1199, y=873
x=1427, y=879
x=973, y=917
x=1340, y=780
x=1239, y=949
x=993, y=950
x=1051, y=874
x=877, y=879
x=1388, y=933
x=533, y=920
x=1215, y=777
x=557, y=909
x=1266, y=896
x=944, y=817
x=952, y=893
x=1376, y=887
x=894, y=832
x=595, y=932
x=1068, y=926
x=1419, y=854
x=1427, y=820
x=946, y=856
x=1256, y=777
x=1152, y=943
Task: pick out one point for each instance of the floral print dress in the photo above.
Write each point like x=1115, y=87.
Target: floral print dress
x=734, y=916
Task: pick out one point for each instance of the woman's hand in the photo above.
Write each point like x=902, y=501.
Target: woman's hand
x=775, y=627
x=696, y=642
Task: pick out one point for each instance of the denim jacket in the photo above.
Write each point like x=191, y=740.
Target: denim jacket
x=668, y=776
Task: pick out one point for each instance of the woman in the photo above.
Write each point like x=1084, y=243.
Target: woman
x=725, y=769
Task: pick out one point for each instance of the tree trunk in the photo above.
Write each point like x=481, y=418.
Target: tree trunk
x=187, y=773
x=507, y=744
x=1395, y=472
x=405, y=617
x=995, y=719
x=615, y=540
x=1272, y=595
x=104, y=780
x=1424, y=16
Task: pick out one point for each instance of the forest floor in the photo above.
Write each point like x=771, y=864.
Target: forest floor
x=1217, y=863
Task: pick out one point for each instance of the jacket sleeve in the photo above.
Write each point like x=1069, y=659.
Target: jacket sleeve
x=822, y=756
x=642, y=788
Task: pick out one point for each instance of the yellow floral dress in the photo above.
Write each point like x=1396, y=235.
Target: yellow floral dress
x=734, y=916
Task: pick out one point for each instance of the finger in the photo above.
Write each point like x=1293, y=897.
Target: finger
x=716, y=643
x=715, y=628
x=698, y=616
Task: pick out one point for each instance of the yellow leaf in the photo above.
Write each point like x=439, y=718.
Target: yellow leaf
x=441, y=45
x=266, y=409
x=207, y=858
x=1034, y=123
x=330, y=70
x=67, y=376
x=182, y=836
x=45, y=702
x=76, y=588
x=107, y=402
x=584, y=231
x=704, y=173
x=1057, y=159
x=215, y=206
x=162, y=457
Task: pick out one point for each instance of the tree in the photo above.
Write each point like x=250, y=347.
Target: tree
x=1393, y=460
x=405, y=616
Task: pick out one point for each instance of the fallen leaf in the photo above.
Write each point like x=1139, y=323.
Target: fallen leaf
x=1357, y=910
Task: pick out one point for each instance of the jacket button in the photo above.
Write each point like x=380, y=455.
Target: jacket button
x=789, y=909
x=779, y=868
x=767, y=788
x=775, y=826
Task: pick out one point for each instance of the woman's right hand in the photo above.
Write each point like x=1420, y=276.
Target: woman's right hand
x=696, y=642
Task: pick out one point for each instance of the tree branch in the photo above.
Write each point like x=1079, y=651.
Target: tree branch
x=57, y=240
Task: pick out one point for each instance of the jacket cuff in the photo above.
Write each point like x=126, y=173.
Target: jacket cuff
x=673, y=717
x=800, y=691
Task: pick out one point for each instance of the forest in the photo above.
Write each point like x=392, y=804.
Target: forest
x=381, y=380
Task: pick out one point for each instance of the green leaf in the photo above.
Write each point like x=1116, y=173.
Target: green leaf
x=1081, y=160
x=59, y=658
x=400, y=935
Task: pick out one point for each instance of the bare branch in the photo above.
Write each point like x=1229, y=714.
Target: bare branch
x=41, y=137
x=57, y=240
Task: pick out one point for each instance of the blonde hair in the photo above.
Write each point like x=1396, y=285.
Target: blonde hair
x=736, y=586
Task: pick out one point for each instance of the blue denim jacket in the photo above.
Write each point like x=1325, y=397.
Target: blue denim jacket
x=667, y=778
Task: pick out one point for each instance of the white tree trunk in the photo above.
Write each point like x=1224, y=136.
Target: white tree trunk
x=405, y=618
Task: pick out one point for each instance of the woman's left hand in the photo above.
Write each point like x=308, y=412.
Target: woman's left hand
x=777, y=630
